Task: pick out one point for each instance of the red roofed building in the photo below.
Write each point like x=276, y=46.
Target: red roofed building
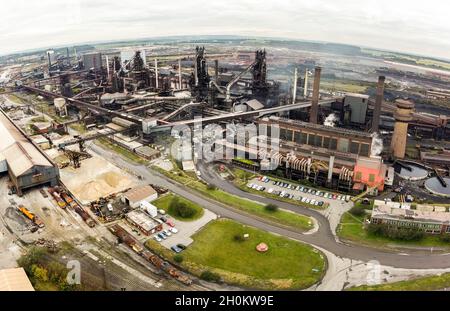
x=369, y=172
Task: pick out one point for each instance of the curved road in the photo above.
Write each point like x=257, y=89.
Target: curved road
x=323, y=238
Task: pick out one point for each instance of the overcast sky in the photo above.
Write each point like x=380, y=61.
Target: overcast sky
x=421, y=27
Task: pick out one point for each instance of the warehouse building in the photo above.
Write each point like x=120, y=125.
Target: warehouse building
x=135, y=196
x=26, y=165
x=144, y=223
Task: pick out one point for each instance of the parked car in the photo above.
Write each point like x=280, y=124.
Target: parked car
x=291, y=196
x=287, y=195
x=270, y=190
x=162, y=212
x=320, y=203
x=182, y=246
x=170, y=223
x=275, y=183
x=282, y=193
x=157, y=238
x=307, y=201
x=163, y=219
x=173, y=230
x=297, y=188
x=162, y=236
x=250, y=185
x=305, y=190
x=176, y=249
x=313, y=192
x=167, y=232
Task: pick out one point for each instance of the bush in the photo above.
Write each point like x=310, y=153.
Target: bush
x=178, y=258
x=403, y=234
x=271, y=208
x=181, y=209
x=211, y=187
x=445, y=237
x=238, y=237
x=210, y=276
x=357, y=211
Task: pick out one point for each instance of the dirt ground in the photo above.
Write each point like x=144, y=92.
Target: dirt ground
x=95, y=178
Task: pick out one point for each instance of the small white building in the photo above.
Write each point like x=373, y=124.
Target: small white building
x=149, y=208
x=135, y=196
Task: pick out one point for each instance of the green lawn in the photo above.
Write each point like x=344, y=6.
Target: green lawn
x=164, y=203
x=283, y=217
x=351, y=229
x=286, y=265
x=430, y=283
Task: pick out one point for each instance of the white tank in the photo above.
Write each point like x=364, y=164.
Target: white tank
x=48, y=88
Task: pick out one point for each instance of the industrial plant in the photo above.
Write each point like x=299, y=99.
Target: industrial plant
x=99, y=132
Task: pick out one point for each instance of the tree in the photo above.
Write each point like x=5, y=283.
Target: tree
x=210, y=276
x=178, y=258
x=39, y=273
x=181, y=209
x=271, y=207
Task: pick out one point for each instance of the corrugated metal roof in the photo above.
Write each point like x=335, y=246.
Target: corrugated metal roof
x=20, y=154
x=14, y=280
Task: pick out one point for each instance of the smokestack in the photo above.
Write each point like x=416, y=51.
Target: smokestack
x=402, y=115
x=49, y=61
x=315, y=98
x=294, y=90
x=179, y=75
x=378, y=103
x=305, y=89
x=156, y=73
x=216, y=69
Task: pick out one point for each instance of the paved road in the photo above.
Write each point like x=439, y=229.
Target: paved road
x=323, y=238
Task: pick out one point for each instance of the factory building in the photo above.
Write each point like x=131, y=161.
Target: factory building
x=371, y=173
x=358, y=104
x=27, y=166
x=144, y=223
x=92, y=61
x=429, y=219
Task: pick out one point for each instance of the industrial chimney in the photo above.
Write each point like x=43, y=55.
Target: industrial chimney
x=315, y=97
x=378, y=103
x=403, y=115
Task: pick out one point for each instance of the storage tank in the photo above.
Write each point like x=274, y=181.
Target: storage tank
x=48, y=88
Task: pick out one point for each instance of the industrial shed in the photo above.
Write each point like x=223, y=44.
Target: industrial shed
x=14, y=280
x=27, y=166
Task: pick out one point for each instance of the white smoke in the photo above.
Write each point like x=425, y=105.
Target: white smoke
x=331, y=120
x=377, y=145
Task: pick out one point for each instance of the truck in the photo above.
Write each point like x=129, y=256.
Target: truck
x=35, y=219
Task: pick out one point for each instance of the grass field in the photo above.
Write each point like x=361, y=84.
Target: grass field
x=351, y=228
x=341, y=86
x=164, y=203
x=430, y=283
x=286, y=265
x=286, y=218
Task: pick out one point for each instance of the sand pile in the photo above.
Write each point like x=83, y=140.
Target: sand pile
x=111, y=178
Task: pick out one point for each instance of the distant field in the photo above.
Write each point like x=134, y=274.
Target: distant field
x=431, y=283
x=409, y=59
x=342, y=86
